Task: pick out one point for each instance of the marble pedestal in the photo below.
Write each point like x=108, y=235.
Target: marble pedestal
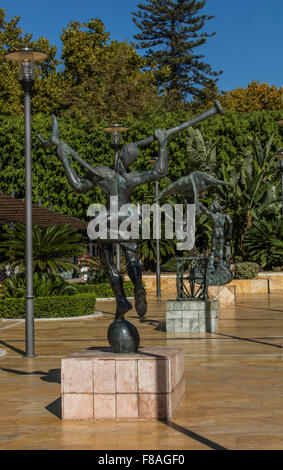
x=184, y=316
x=97, y=384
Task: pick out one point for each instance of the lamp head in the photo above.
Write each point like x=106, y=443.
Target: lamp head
x=116, y=130
x=26, y=59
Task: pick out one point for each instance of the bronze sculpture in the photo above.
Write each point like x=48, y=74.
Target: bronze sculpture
x=121, y=182
x=218, y=269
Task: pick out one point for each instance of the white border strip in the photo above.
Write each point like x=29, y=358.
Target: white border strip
x=97, y=314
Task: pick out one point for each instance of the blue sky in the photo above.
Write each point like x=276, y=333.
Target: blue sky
x=248, y=44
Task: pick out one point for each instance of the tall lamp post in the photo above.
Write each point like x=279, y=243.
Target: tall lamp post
x=26, y=59
x=280, y=156
x=158, y=288
x=115, y=131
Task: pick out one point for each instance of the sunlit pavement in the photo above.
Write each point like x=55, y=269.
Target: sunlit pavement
x=234, y=382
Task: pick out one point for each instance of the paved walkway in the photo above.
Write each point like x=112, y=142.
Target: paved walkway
x=234, y=383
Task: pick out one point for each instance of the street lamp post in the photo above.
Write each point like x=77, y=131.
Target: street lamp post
x=158, y=288
x=115, y=131
x=280, y=156
x=26, y=59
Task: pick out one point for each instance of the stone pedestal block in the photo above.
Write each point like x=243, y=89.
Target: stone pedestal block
x=191, y=316
x=97, y=384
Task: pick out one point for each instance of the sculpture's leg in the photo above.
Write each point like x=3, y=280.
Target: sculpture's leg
x=221, y=249
x=135, y=274
x=115, y=278
x=213, y=253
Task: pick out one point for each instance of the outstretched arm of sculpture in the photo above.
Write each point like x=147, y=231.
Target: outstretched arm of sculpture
x=204, y=209
x=217, y=109
x=79, y=184
x=159, y=169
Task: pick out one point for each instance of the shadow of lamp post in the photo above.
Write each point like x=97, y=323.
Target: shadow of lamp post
x=26, y=59
x=115, y=131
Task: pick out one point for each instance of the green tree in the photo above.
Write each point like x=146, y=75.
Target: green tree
x=104, y=78
x=171, y=31
x=255, y=97
x=48, y=83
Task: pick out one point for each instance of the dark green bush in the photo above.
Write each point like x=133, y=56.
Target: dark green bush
x=246, y=270
x=169, y=266
x=104, y=289
x=50, y=307
x=263, y=243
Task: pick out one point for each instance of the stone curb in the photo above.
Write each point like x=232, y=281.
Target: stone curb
x=84, y=317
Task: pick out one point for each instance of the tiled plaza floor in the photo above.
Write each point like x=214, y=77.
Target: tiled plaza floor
x=234, y=382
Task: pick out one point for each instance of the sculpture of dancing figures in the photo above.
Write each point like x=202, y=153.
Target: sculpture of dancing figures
x=120, y=183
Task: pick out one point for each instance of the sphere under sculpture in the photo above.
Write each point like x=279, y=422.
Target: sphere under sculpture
x=123, y=336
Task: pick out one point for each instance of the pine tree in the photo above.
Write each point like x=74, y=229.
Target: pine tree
x=171, y=30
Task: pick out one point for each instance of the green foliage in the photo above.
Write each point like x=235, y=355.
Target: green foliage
x=47, y=86
x=97, y=79
x=169, y=266
x=263, y=243
x=104, y=290
x=104, y=79
x=170, y=31
x=51, y=246
x=255, y=97
x=148, y=252
x=228, y=132
x=50, y=307
x=252, y=139
x=43, y=286
x=201, y=153
x=246, y=270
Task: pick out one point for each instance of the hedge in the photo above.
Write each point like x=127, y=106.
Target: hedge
x=50, y=307
x=228, y=131
x=104, y=289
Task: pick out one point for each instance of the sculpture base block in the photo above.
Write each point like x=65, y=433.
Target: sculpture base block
x=97, y=384
x=191, y=316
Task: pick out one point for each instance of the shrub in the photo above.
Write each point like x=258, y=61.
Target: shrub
x=104, y=289
x=50, y=307
x=263, y=243
x=277, y=269
x=246, y=270
x=44, y=285
x=52, y=246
